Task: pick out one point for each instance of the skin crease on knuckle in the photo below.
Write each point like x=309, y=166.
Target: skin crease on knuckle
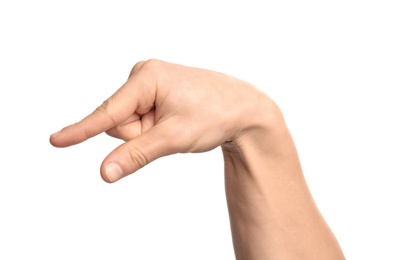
x=136, y=156
x=104, y=109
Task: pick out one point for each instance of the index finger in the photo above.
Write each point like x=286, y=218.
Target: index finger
x=112, y=112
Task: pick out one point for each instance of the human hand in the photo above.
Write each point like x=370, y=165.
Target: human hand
x=164, y=109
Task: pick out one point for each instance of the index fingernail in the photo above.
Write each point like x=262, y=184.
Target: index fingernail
x=55, y=134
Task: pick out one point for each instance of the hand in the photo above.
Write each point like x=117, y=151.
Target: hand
x=164, y=109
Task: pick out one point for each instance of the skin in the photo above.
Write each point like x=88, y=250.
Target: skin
x=166, y=108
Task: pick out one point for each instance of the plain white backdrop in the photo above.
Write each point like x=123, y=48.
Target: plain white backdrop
x=328, y=64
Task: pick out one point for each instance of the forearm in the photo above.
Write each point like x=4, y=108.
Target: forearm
x=272, y=213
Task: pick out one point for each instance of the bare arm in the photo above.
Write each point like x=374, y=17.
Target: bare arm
x=167, y=108
x=272, y=213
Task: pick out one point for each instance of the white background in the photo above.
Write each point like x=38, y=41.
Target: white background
x=328, y=64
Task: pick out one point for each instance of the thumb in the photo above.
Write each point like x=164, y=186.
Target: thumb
x=135, y=154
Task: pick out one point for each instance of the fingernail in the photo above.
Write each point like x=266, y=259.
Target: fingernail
x=113, y=171
x=55, y=134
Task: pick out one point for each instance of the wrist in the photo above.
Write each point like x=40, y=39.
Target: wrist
x=259, y=125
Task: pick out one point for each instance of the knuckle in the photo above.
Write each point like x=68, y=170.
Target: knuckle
x=104, y=106
x=149, y=69
x=136, y=67
x=105, y=109
x=152, y=65
x=137, y=157
x=139, y=64
x=152, y=62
